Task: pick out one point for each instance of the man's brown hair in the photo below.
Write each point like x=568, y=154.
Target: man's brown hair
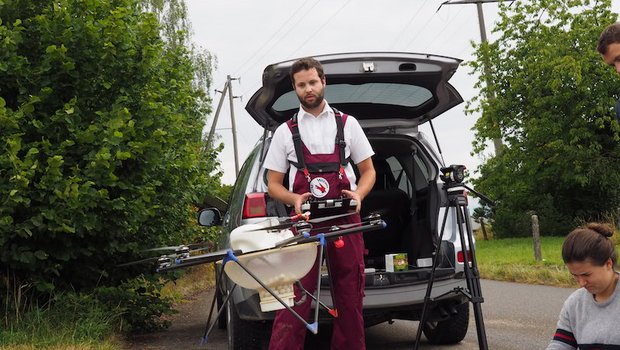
x=610, y=35
x=306, y=63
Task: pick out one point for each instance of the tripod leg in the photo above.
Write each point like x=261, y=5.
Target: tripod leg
x=209, y=324
x=471, y=273
x=431, y=280
x=219, y=312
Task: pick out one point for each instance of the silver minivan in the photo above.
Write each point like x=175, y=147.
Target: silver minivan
x=390, y=94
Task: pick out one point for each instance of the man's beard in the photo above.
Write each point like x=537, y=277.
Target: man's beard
x=318, y=99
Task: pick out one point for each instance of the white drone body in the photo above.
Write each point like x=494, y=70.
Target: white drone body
x=277, y=268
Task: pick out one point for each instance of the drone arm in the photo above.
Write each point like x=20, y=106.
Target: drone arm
x=372, y=225
x=196, y=260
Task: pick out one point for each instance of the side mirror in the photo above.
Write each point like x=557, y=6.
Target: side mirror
x=209, y=217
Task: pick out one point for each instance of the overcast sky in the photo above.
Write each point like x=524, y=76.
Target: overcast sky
x=247, y=35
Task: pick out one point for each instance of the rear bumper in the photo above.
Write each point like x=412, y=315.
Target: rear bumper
x=395, y=302
x=410, y=295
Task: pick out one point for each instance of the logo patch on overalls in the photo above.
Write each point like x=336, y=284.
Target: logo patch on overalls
x=319, y=187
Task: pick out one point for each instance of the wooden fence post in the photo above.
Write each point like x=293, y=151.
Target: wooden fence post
x=484, y=230
x=536, y=237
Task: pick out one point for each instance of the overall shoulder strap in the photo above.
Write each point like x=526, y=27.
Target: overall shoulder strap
x=292, y=124
x=341, y=119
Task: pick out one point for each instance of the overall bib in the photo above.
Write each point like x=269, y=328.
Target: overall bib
x=323, y=175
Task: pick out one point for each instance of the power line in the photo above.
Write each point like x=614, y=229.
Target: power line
x=419, y=32
x=448, y=24
x=273, y=40
x=320, y=28
x=407, y=25
x=315, y=32
x=497, y=142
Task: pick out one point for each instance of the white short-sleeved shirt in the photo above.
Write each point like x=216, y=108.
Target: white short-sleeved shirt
x=319, y=135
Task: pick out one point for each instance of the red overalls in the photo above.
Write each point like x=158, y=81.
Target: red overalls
x=323, y=175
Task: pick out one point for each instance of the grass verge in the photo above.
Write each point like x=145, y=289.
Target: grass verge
x=76, y=322
x=194, y=280
x=512, y=259
x=70, y=321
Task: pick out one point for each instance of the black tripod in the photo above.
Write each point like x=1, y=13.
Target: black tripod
x=457, y=202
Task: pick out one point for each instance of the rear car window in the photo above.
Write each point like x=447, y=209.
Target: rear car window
x=376, y=93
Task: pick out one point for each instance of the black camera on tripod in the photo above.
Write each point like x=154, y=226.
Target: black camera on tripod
x=454, y=173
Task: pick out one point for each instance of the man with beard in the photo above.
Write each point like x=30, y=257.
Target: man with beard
x=609, y=48
x=318, y=144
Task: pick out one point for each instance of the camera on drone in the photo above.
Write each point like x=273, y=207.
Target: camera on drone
x=454, y=173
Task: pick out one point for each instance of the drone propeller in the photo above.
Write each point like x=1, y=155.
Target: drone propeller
x=289, y=222
x=176, y=248
x=371, y=219
x=143, y=261
x=169, y=248
x=179, y=252
x=164, y=264
x=369, y=223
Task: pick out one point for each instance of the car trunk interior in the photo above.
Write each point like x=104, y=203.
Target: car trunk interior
x=403, y=195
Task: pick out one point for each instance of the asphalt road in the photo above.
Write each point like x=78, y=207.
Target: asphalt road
x=516, y=316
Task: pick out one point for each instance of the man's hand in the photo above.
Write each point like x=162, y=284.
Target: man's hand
x=279, y=192
x=356, y=196
x=299, y=200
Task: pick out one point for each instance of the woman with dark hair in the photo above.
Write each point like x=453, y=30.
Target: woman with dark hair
x=590, y=316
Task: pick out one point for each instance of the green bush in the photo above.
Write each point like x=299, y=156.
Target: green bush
x=101, y=137
x=140, y=303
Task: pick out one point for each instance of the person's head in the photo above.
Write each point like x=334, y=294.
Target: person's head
x=309, y=82
x=609, y=45
x=590, y=256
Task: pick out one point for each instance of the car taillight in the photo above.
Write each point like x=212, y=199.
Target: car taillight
x=459, y=256
x=254, y=205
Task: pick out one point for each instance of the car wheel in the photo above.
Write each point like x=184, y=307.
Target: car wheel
x=451, y=330
x=246, y=335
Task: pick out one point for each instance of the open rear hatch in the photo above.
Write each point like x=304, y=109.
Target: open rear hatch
x=370, y=86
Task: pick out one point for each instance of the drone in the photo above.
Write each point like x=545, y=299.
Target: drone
x=268, y=234
x=269, y=257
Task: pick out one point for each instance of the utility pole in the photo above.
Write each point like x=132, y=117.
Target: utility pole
x=226, y=90
x=483, y=37
x=217, y=113
x=232, y=121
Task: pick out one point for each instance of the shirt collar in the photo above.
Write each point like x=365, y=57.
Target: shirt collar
x=326, y=112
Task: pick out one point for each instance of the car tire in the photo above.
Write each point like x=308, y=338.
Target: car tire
x=246, y=335
x=451, y=330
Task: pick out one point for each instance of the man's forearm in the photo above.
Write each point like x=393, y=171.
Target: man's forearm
x=280, y=193
x=364, y=185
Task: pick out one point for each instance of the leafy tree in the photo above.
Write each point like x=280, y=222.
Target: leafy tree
x=551, y=102
x=101, y=135
x=175, y=30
